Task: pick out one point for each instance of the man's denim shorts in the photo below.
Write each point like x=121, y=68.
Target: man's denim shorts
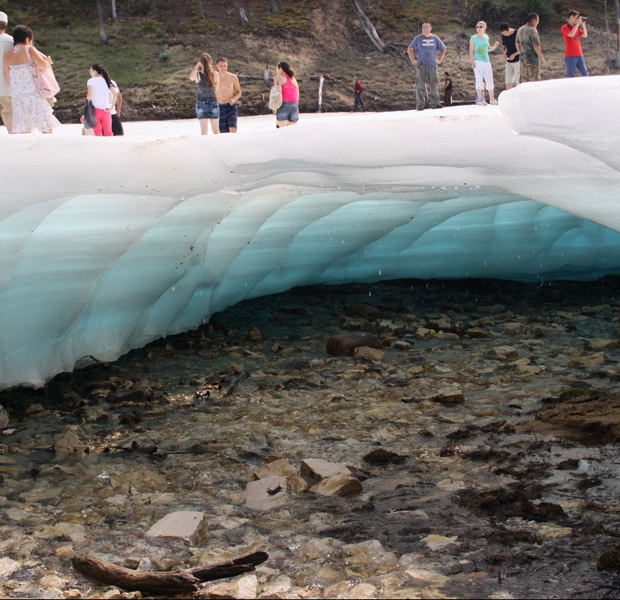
x=289, y=111
x=228, y=117
x=207, y=109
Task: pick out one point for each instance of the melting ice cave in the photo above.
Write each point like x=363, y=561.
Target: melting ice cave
x=107, y=244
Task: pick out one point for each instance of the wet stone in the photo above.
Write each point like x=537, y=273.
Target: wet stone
x=190, y=526
x=381, y=457
x=402, y=345
x=602, y=344
x=8, y=566
x=69, y=443
x=365, y=311
x=338, y=485
x=449, y=397
x=423, y=333
x=476, y=332
x=317, y=469
x=506, y=352
x=245, y=586
x=443, y=335
x=369, y=353
x=4, y=418
x=512, y=328
x=346, y=343
x=283, y=468
x=267, y=493
x=593, y=360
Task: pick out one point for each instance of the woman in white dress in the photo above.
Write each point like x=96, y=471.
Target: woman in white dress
x=30, y=110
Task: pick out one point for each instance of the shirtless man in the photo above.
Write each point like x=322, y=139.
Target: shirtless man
x=228, y=92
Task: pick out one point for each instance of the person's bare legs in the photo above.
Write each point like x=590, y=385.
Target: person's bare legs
x=204, y=126
x=215, y=125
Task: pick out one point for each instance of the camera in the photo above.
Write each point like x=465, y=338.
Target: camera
x=584, y=19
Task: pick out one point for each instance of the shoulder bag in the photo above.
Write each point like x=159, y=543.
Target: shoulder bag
x=44, y=78
x=275, y=97
x=90, y=120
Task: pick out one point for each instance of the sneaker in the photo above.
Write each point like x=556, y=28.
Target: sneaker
x=494, y=102
x=482, y=103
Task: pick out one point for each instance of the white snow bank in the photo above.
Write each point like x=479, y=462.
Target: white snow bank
x=109, y=243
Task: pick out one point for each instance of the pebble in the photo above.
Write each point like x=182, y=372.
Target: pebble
x=188, y=525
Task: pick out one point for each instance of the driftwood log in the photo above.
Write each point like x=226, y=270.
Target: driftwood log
x=164, y=582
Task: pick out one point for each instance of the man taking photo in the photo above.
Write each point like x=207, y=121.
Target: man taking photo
x=572, y=32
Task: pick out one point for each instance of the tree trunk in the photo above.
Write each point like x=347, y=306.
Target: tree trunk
x=113, y=9
x=243, y=17
x=152, y=8
x=273, y=6
x=104, y=37
x=368, y=27
x=202, y=10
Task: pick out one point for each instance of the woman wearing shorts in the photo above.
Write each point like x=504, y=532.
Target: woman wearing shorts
x=479, y=49
x=207, y=107
x=288, y=113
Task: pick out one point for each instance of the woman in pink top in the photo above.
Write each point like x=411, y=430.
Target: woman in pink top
x=288, y=113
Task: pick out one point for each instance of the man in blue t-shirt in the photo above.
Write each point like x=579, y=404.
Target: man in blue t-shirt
x=426, y=46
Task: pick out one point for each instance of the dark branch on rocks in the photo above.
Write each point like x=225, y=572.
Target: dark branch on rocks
x=164, y=582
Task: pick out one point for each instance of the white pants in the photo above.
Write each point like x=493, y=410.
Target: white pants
x=513, y=72
x=483, y=70
x=6, y=112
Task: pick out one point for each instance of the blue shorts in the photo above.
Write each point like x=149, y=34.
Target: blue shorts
x=289, y=111
x=207, y=109
x=228, y=117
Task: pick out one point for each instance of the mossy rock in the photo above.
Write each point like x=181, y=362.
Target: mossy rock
x=609, y=560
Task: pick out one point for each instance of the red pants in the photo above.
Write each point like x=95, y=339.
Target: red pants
x=104, y=122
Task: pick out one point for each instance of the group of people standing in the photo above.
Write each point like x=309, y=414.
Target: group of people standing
x=216, y=95
x=522, y=52
x=218, y=91
x=23, y=109
x=106, y=98
x=22, y=106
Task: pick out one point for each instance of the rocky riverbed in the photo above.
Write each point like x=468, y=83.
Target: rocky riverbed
x=468, y=448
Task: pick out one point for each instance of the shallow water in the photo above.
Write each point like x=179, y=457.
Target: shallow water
x=498, y=488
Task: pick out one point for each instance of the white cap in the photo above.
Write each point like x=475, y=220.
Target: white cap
x=3, y=17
